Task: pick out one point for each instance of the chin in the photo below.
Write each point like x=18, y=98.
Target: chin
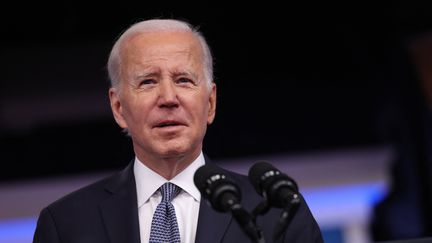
x=173, y=151
x=177, y=147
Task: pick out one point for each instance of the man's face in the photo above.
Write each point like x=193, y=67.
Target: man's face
x=163, y=99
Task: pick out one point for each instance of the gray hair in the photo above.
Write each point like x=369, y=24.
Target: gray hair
x=114, y=60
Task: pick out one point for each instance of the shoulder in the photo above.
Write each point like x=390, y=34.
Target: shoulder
x=90, y=195
x=87, y=193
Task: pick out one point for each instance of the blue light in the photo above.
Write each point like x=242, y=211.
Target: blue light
x=17, y=230
x=367, y=193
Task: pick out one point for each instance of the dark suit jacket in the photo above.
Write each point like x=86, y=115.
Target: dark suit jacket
x=107, y=212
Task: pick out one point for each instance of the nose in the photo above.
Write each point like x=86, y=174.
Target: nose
x=167, y=95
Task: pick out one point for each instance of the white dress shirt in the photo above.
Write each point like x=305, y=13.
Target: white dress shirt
x=186, y=203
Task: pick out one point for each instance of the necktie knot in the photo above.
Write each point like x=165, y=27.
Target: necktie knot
x=169, y=191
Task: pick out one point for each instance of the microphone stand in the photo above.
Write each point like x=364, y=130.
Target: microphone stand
x=247, y=223
x=286, y=216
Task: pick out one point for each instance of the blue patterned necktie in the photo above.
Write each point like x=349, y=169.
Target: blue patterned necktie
x=164, y=226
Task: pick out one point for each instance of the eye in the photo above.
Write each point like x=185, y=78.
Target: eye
x=147, y=82
x=185, y=81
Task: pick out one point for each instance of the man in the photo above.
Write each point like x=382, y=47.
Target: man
x=164, y=96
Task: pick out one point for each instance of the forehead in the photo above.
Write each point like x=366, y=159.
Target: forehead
x=150, y=46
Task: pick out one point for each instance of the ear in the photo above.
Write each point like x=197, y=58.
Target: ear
x=212, y=105
x=116, y=107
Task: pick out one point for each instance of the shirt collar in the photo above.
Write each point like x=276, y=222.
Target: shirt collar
x=148, y=181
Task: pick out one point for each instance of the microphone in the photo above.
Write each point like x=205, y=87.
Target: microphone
x=276, y=187
x=278, y=190
x=220, y=190
x=224, y=195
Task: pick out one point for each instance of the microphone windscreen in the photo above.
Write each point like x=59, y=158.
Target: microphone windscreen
x=217, y=187
x=256, y=173
x=203, y=173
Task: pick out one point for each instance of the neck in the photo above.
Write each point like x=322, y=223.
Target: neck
x=169, y=166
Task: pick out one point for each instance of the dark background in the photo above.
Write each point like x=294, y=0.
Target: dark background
x=291, y=77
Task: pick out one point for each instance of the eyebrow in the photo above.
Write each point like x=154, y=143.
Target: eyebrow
x=184, y=73
x=156, y=72
x=147, y=72
x=146, y=75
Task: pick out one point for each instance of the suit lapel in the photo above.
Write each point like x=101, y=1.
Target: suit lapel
x=120, y=211
x=212, y=225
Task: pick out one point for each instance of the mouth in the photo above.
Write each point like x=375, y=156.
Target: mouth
x=168, y=123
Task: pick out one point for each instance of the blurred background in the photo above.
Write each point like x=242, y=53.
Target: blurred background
x=337, y=96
